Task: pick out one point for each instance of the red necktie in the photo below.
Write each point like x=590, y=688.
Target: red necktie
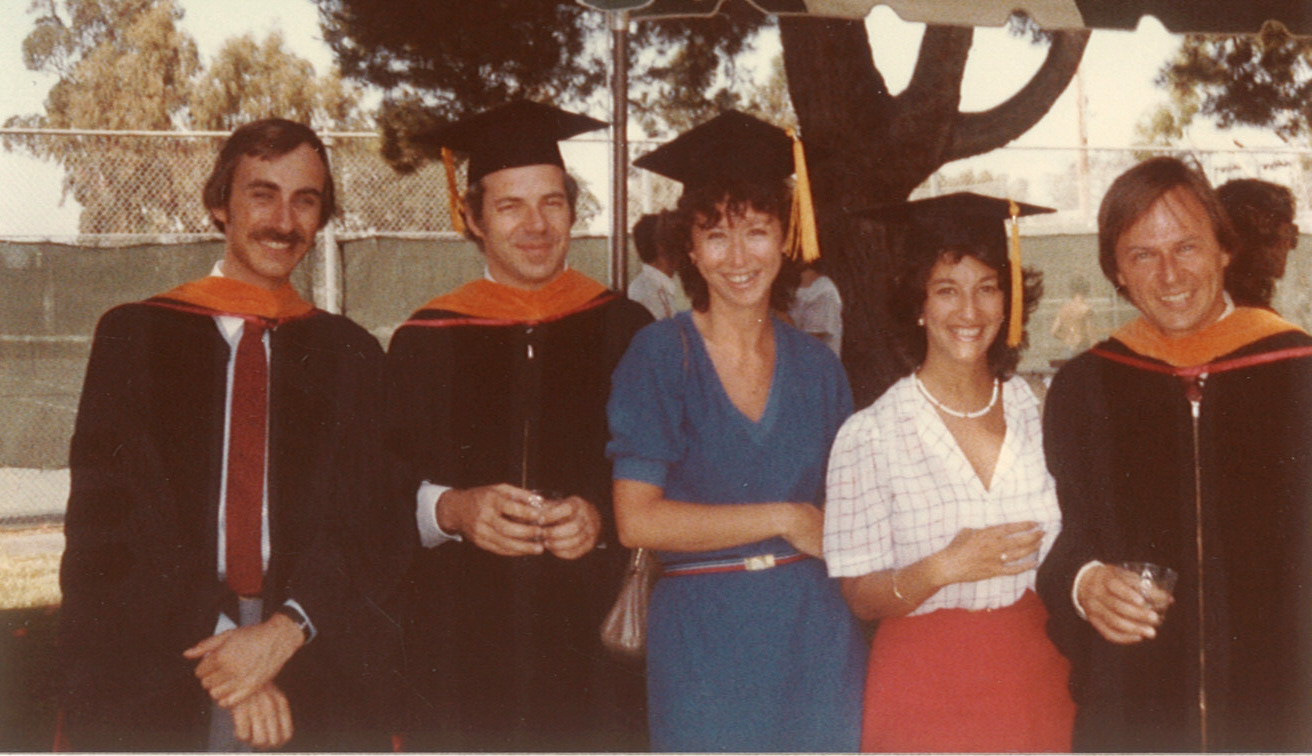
x=246, y=446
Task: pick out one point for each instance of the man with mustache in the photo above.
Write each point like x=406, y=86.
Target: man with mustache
x=220, y=527
x=497, y=420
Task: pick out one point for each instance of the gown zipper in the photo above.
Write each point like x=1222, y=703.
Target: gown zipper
x=1194, y=393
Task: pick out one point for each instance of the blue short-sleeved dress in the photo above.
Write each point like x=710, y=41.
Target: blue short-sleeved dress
x=768, y=660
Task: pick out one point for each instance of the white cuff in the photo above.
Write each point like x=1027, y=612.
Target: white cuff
x=310, y=629
x=1075, y=587
x=430, y=533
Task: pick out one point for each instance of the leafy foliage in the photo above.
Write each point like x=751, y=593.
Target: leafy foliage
x=865, y=146
x=249, y=79
x=1262, y=80
x=438, y=61
x=127, y=65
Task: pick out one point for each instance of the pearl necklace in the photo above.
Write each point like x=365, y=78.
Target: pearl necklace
x=993, y=400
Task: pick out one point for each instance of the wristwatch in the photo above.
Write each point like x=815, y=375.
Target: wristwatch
x=295, y=615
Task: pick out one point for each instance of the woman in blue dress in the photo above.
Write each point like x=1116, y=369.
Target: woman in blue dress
x=721, y=422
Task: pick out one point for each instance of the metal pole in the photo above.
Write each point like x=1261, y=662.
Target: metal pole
x=619, y=170
x=331, y=257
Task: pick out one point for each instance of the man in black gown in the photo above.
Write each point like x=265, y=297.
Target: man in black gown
x=497, y=395
x=219, y=528
x=1184, y=440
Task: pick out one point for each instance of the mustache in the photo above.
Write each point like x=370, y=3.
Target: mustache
x=291, y=237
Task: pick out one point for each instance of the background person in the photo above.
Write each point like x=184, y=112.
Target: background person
x=1073, y=326
x=721, y=421
x=1263, y=216
x=654, y=287
x=817, y=307
x=940, y=507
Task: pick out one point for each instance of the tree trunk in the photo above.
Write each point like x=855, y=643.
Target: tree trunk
x=866, y=148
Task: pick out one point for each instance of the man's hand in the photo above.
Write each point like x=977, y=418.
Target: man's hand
x=263, y=719
x=236, y=663
x=501, y=519
x=1116, y=607
x=572, y=527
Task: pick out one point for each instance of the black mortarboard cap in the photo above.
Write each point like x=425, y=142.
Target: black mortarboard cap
x=966, y=219
x=954, y=220
x=731, y=145
x=518, y=133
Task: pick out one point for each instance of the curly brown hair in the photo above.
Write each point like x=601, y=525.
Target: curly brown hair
x=705, y=206
x=910, y=290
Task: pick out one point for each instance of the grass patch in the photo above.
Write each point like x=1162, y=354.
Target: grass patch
x=29, y=567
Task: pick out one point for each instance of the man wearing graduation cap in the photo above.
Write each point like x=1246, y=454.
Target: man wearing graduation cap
x=497, y=420
x=219, y=509
x=1184, y=440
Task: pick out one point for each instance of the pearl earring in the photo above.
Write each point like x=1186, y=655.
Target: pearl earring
x=920, y=322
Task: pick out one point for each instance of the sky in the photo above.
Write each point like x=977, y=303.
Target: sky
x=1118, y=71
x=30, y=196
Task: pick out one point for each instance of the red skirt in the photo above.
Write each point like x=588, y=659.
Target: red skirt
x=959, y=680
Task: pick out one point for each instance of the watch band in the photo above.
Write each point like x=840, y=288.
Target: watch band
x=296, y=616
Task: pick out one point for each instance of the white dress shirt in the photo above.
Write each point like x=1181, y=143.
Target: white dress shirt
x=900, y=489
x=230, y=327
x=818, y=310
x=656, y=291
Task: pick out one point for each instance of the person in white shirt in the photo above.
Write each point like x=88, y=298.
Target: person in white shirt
x=818, y=308
x=654, y=286
x=939, y=507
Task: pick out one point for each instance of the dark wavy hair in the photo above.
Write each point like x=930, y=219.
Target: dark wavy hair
x=646, y=238
x=704, y=206
x=1262, y=214
x=265, y=139
x=1134, y=192
x=910, y=291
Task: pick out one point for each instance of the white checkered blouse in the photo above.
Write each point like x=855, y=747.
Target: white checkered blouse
x=900, y=489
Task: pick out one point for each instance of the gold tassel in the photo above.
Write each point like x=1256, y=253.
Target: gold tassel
x=1017, y=326
x=803, y=240
x=453, y=192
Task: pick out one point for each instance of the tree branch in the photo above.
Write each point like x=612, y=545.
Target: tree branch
x=977, y=133
x=832, y=78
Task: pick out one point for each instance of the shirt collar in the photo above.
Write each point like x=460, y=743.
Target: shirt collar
x=487, y=272
x=660, y=275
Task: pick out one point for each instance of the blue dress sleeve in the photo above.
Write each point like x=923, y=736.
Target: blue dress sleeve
x=842, y=400
x=646, y=406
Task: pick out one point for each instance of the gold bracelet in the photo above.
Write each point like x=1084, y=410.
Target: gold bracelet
x=898, y=593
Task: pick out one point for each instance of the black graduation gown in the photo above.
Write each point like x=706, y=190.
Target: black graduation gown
x=139, y=569
x=504, y=652
x=1120, y=444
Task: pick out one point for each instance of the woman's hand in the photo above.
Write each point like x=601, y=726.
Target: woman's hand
x=980, y=554
x=804, y=527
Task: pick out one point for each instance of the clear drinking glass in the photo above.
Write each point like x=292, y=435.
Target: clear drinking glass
x=1153, y=576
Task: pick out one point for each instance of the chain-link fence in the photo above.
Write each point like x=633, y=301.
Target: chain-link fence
x=141, y=228
x=135, y=186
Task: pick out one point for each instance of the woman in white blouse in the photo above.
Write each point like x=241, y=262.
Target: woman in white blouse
x=940, y=508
